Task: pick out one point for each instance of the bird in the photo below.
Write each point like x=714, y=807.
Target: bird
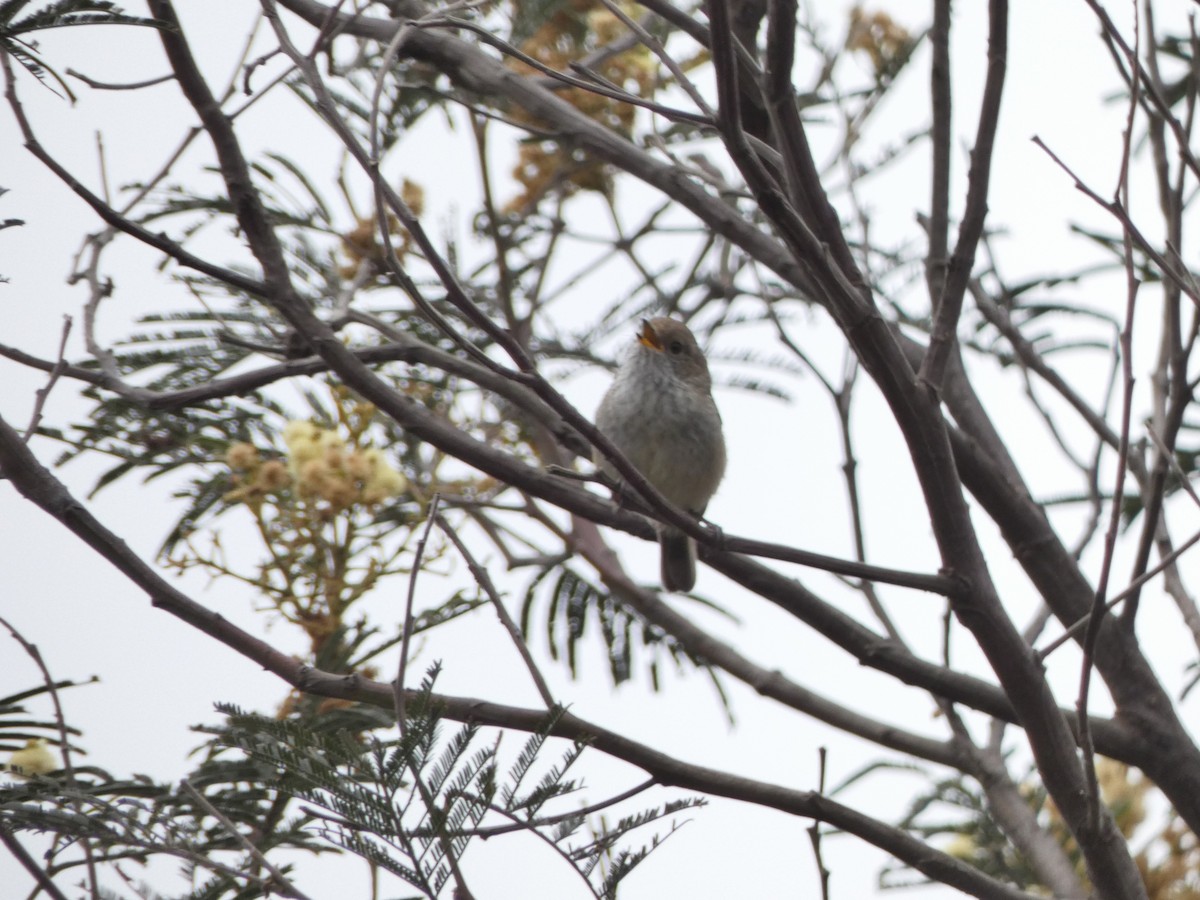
x=660, y=413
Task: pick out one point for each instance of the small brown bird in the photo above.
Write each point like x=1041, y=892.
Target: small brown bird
x=660, y=413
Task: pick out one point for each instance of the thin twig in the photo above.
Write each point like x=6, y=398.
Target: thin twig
x=1172, y=579
x=60, y=720
x=282, y=883
x=30, y=864
x=1171, y=395
x=814, y=830
x=418, y=554
x=157, y=240
x=43, y=393
x=111, y=86
x=1134, y=586
x=484, y=580
x=842, y=398
x=1099, y=607
x=656, y=47
x=936, y=259
x=494, y=830
x=1146, y=89
x=1181, y=278
x=585, y=84
x=948, y=307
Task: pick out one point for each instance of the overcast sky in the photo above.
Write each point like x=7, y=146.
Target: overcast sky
x=158, y=677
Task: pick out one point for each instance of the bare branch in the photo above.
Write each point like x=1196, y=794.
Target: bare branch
x=38, y=485
x=280, y=881
x=480, y=574
x=948, y=305
x=401, y=672
x=43, y=393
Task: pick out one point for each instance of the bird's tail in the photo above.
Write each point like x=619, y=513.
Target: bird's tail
x=678, y=561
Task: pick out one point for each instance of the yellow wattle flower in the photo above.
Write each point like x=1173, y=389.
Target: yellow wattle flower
x=35, y=758
x=303, y=442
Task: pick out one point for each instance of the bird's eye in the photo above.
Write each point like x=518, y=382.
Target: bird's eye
x=676, y=347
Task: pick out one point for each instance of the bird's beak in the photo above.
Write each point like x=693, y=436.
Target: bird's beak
x=648, y=337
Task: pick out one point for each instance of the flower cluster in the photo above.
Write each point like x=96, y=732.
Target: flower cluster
x=322, y=466
x=254, y=478
x=574, y=29
x=318, y=465
x=362, y=244
x=35, y=758
x=322, y=506
x=878, y=35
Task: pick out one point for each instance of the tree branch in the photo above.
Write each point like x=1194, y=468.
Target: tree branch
x=38, y=485
x=948, y=307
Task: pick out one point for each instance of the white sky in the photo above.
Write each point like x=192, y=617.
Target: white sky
x=158, y=677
